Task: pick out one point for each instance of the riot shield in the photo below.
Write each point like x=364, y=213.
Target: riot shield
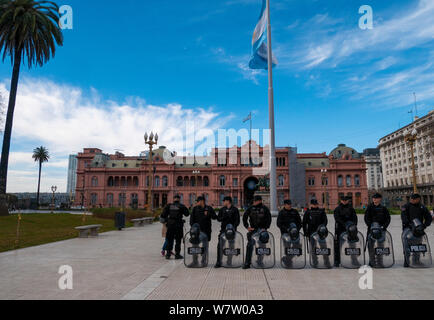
x=380, y=249
x=264, y=250
x=417, y=251
x=322, y=252
x=232, y=250
x=293, y=251
x=196, y=250
x=352, y=250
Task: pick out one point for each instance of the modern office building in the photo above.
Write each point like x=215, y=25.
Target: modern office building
x=374, y=172
x=72, y=175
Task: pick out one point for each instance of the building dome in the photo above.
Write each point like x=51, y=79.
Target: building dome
x=344, y=152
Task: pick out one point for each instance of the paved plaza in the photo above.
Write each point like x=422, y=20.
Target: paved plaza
x=128, y=265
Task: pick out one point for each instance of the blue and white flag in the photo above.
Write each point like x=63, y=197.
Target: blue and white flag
x=259, y=58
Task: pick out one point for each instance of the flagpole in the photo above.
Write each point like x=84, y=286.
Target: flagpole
x=251, y=125
x=273, y=175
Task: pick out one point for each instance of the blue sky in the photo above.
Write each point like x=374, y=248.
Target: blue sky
x=133, y=66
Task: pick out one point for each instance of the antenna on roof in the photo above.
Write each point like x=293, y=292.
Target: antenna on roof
x=415, y=102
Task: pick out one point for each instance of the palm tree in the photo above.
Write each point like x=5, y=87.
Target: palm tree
x=29, y=32
x=40, y=155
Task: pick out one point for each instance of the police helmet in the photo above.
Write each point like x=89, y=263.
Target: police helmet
x=230, y=232
x=195, y=234
x=323, y=232
x=293, y=232
x=264, y=237
x=376, y=231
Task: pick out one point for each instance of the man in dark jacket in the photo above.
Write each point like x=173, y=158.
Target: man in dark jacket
x=287, y=216
x=344, y=214
x=172, y=216
x=203, y=215
x=313, y=219
x=256, y=217
x=227, y=215
x=376, y=212
x=415, y=210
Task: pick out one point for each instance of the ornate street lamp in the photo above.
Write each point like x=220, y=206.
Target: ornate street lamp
x=411, y=138
x=150, y=140
x=53, y=203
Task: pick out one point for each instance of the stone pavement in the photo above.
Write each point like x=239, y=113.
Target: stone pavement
x=127, y=265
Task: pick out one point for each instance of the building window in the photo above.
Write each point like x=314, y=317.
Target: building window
x=235, y=200
x=340, y=181
x=122, y=199
x=93, y=199
x=357, y=180
x=110, y=199
x=193, y=181
x=311, y=181
x=222, y=197
x=348, y=181
x=281, y=181
x=206, y=181
x=157, y=181
x=235, y=182
x=110, y=182
x=222, y=181
x=94, y=182
x=165, y=182
x=179, y=182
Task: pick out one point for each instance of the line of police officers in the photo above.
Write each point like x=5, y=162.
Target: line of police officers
x=258, y=217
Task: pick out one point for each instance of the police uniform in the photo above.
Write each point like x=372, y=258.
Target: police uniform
x=256, y=217
x=173, y=216
x=227, y=216
x=379, y=214
x=313, y=218
x=343, y=214
x=286, y=218
x=203, y=216
x=411, y=212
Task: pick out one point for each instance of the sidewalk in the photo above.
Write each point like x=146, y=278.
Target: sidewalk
x=128, y=265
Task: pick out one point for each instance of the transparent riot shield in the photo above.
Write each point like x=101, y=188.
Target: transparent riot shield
x=380, y=249
x=417, y=251
x=293, y=252
x=196, y=251
x=352, y=251
x=322, y=252
x=264, y=250
x=232, y=250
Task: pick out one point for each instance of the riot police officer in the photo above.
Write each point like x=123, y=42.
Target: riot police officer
x=172, y=216
x=287, y=216
x=313, y=219
x=203, y=215
x=376, y=212
x=228, y=215
x=412, y=211
x=344, y=214
x=256, y=217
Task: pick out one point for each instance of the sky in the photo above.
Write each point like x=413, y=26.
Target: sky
x=134, y=66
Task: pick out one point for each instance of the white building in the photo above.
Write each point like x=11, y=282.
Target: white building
x=374, y=172
x=395, y=156
x=72, y=175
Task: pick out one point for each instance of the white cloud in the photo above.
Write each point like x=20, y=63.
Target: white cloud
x=65, y=120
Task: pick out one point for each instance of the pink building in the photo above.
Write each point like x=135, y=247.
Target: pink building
x=109, y=180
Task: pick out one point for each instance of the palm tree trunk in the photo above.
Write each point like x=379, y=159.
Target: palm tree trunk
x=8, y=134
x=39, y=183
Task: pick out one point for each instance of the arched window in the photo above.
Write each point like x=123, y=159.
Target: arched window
x=136, y=181
x=157, y=181
x=110, y=182
x=179, y=182
x=94, y=182
x=340, y=181
x=357, y=180
x=165, y=181
x=281, y=181
x=93, y=199
x=193, y=181
x=222, y=181
x=206, y=182
x=348, y=181
x=110, y=199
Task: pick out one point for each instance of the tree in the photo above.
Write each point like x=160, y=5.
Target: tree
x=29, y=32
x=40, y=155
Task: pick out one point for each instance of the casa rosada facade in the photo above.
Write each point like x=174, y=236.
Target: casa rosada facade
x=115, y=180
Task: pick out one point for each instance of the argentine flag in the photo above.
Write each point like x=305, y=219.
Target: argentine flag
x=259, y=58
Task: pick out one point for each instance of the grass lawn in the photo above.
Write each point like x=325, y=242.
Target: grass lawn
x=37, y=229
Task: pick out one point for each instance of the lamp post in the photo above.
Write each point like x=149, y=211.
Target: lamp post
x=53, y=204
x=150, y=140
x=411, y=138
x=324, y=183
